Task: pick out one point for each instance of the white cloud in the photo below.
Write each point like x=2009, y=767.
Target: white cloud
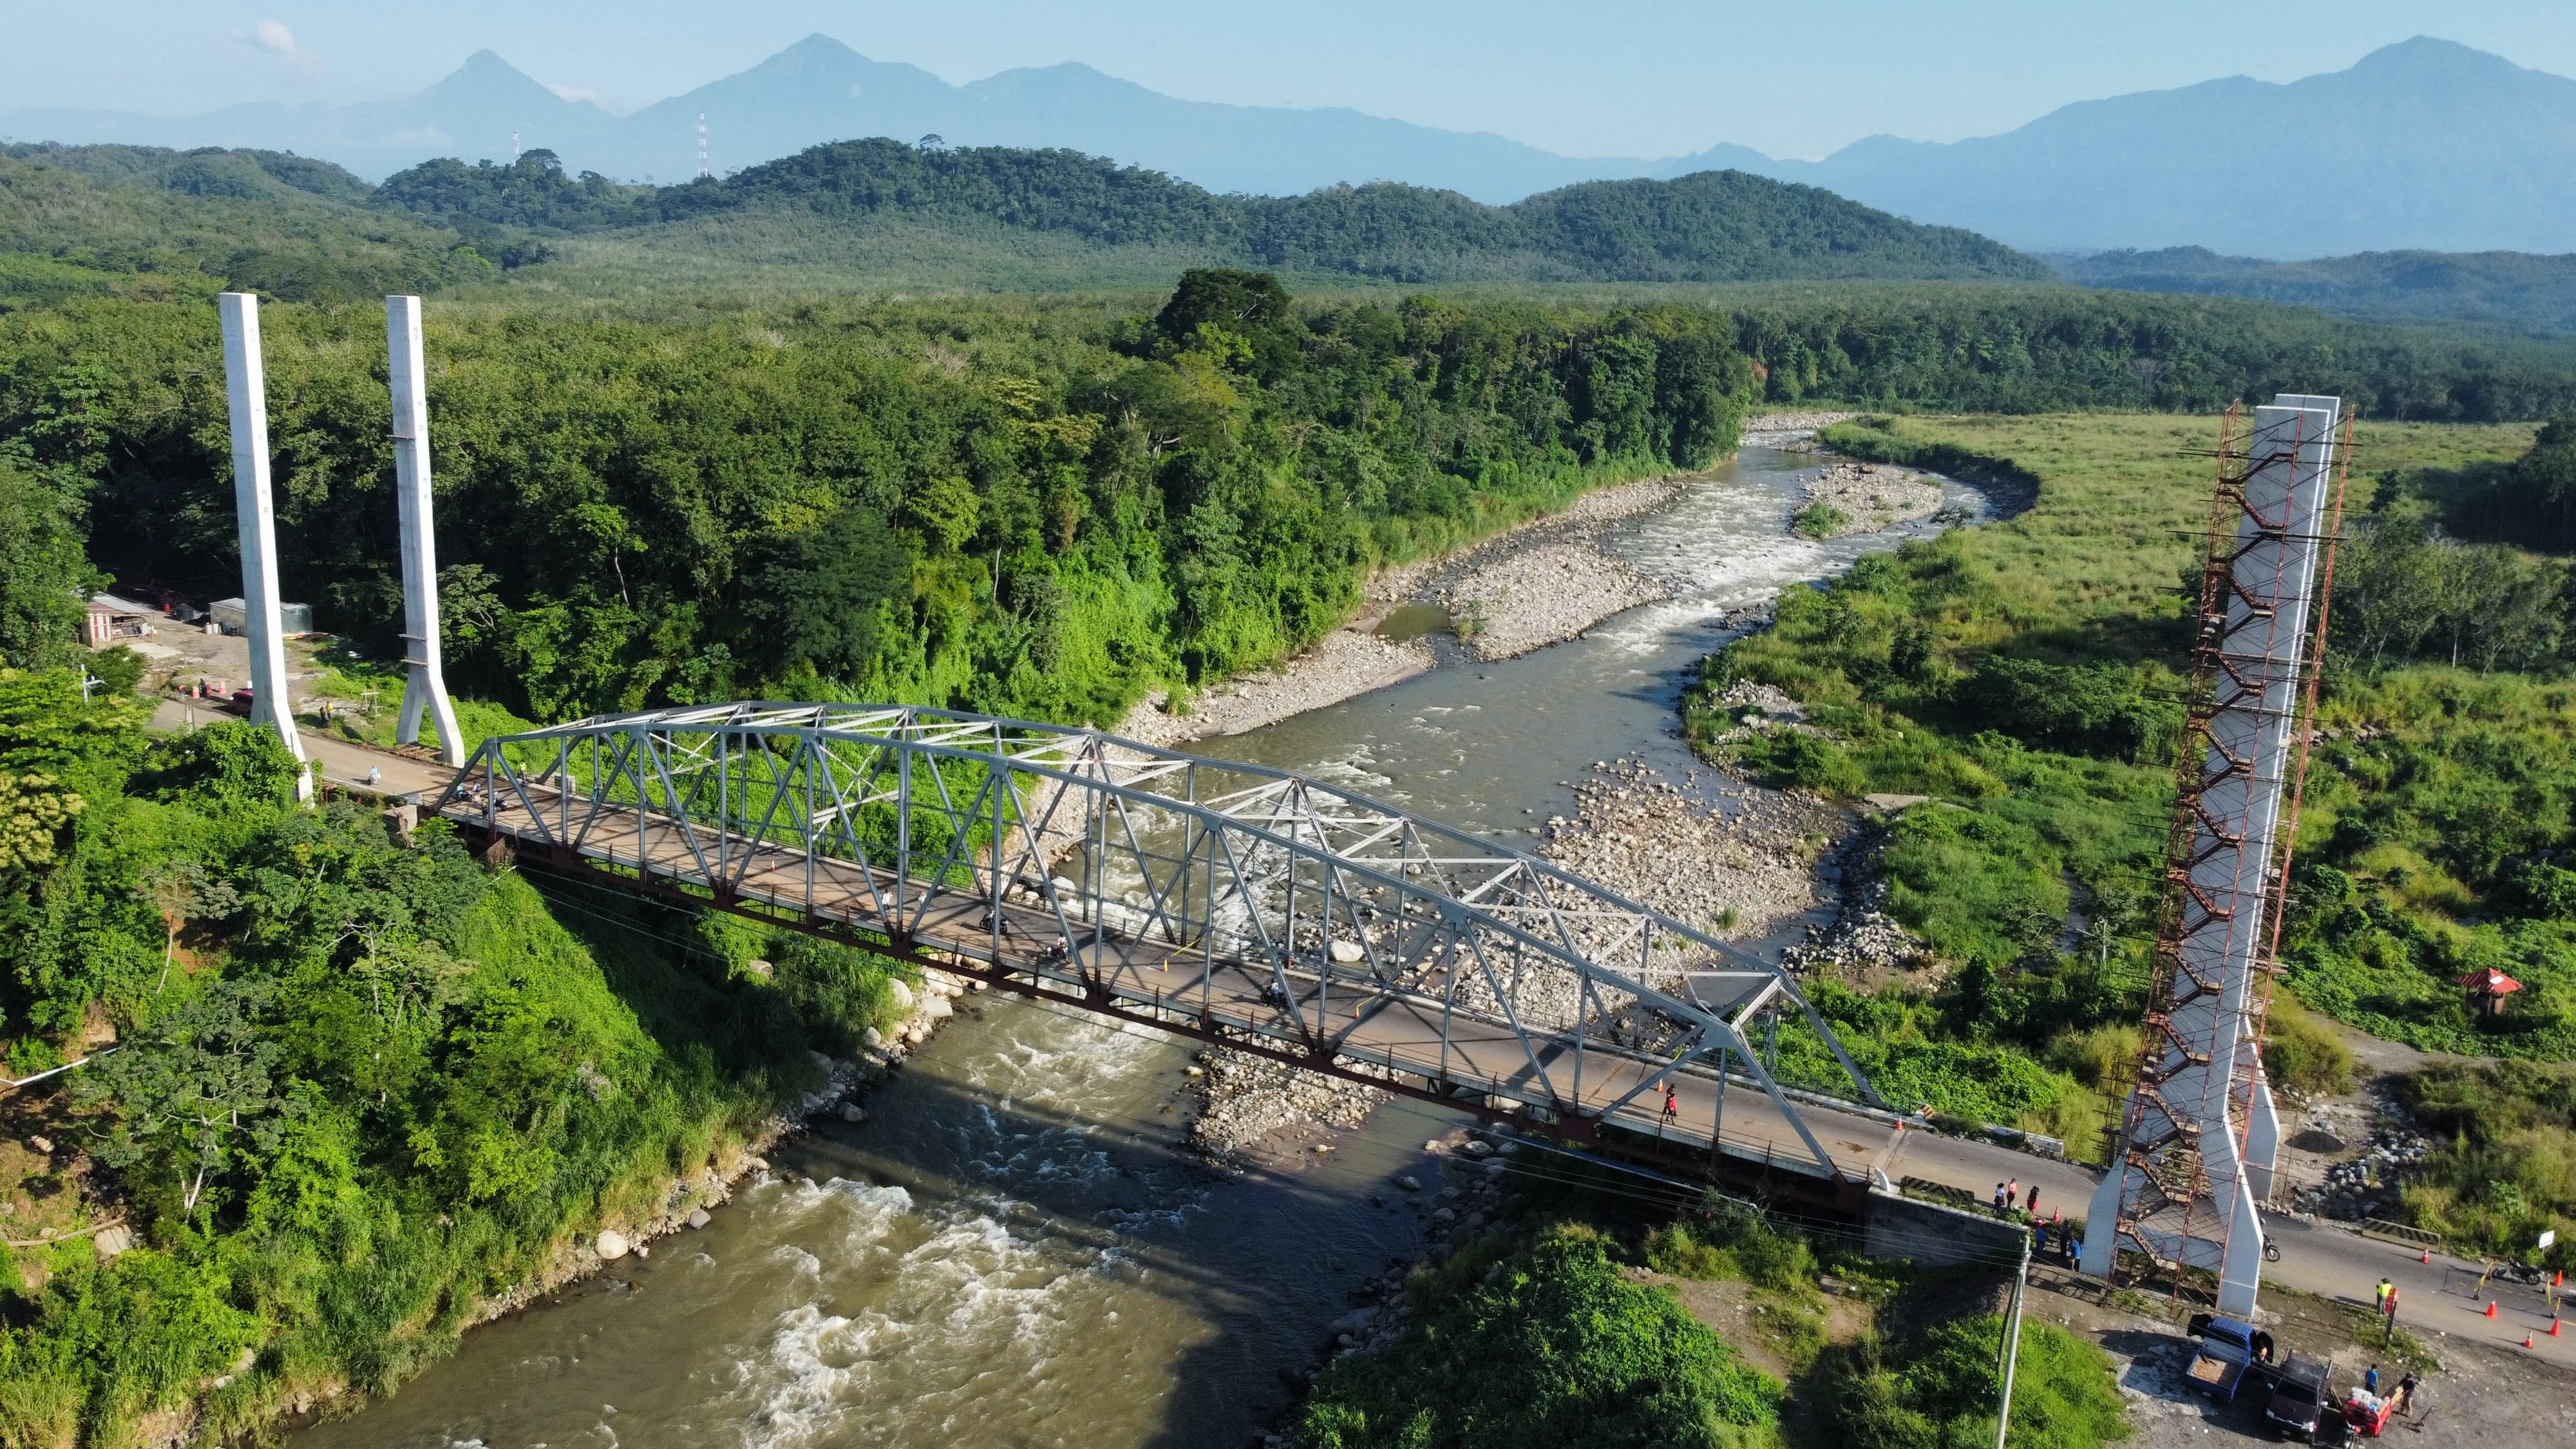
x=575, y=94
x=273, y=37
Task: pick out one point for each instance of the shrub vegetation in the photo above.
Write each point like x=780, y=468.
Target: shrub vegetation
x=1554, y=1347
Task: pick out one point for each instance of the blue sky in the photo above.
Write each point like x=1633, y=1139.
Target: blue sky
x=1653, y=78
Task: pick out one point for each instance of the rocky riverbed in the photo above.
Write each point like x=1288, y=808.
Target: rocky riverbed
x=1868, y=497
x=1347, y=663
x=1550, y=581
x=1732, y=859
x=1789, y=431
x=1243, y=1099
x=1542, y=583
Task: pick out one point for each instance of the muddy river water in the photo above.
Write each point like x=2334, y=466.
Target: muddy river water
x=1011, y=1251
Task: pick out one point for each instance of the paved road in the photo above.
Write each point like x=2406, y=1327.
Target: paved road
x=343, y=762
x=2324, y=1259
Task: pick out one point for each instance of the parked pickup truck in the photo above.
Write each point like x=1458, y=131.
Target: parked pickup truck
x=2302, y=1398
x=2229, y=1350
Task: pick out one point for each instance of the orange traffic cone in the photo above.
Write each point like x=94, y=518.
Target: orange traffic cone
x=2490, y=1308
x=2526, y=1340
x=2428, y=1256
x=2553, y=1328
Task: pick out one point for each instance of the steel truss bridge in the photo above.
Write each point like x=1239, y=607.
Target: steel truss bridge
x=1251, y=906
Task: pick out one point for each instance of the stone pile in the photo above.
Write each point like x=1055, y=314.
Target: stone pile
x=1533, y=596
x=2368, y=1184
x=1862, y=941
x=1243, y=1098
x=1662, y=845
x=1874, y=495
x=1789, y=430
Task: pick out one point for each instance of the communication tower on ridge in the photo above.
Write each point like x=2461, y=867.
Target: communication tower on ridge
x=2196, y=1145
x=702, y=145
x=514, y=148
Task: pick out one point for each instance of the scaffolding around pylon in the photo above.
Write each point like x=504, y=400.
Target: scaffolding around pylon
x=2266, y=577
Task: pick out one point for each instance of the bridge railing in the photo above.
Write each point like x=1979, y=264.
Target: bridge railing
x=1082, y=856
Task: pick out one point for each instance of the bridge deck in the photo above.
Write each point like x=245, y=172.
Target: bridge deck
x=1329, y=1013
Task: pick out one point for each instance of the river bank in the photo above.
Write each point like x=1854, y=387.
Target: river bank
x=1542, y=582
x=692, y=1199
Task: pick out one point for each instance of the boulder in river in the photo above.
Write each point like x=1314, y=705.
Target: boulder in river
x=699, y=1217
x=902, y=993
x=612, y=1245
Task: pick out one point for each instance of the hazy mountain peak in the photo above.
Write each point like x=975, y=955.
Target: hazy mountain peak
x=2426, y=143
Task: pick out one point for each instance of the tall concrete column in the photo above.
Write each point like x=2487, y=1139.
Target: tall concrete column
x=247, y=386
x=426, y=688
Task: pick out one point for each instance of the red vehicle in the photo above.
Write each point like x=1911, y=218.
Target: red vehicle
x=239, y=703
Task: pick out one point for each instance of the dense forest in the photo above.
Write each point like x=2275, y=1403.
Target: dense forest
x=2027, y=350
x=361, y=1085
x=139, y=222
x=1712, y=227
x=1041, y=513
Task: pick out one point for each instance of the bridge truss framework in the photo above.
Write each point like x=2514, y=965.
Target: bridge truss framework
x=1231, y=901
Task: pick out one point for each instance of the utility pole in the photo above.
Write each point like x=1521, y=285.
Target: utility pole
x=2012, y=1344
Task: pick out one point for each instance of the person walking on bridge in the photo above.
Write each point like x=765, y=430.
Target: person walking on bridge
x=2379, y=1299
x=2001, y=1197
x=1672, y=1105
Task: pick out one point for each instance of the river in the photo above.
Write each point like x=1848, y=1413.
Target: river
x=1011, y=1251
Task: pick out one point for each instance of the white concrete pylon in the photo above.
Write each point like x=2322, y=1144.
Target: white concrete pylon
x=425, y=690
x=246, y=384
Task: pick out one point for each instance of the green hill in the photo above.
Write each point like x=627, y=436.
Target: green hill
x=145, y=221
x=1718, y=226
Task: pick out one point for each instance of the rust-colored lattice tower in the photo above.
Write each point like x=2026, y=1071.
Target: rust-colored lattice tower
x=2196, y=1144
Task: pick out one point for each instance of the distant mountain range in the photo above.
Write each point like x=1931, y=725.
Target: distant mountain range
x=821, y=90
x=2424, y=145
